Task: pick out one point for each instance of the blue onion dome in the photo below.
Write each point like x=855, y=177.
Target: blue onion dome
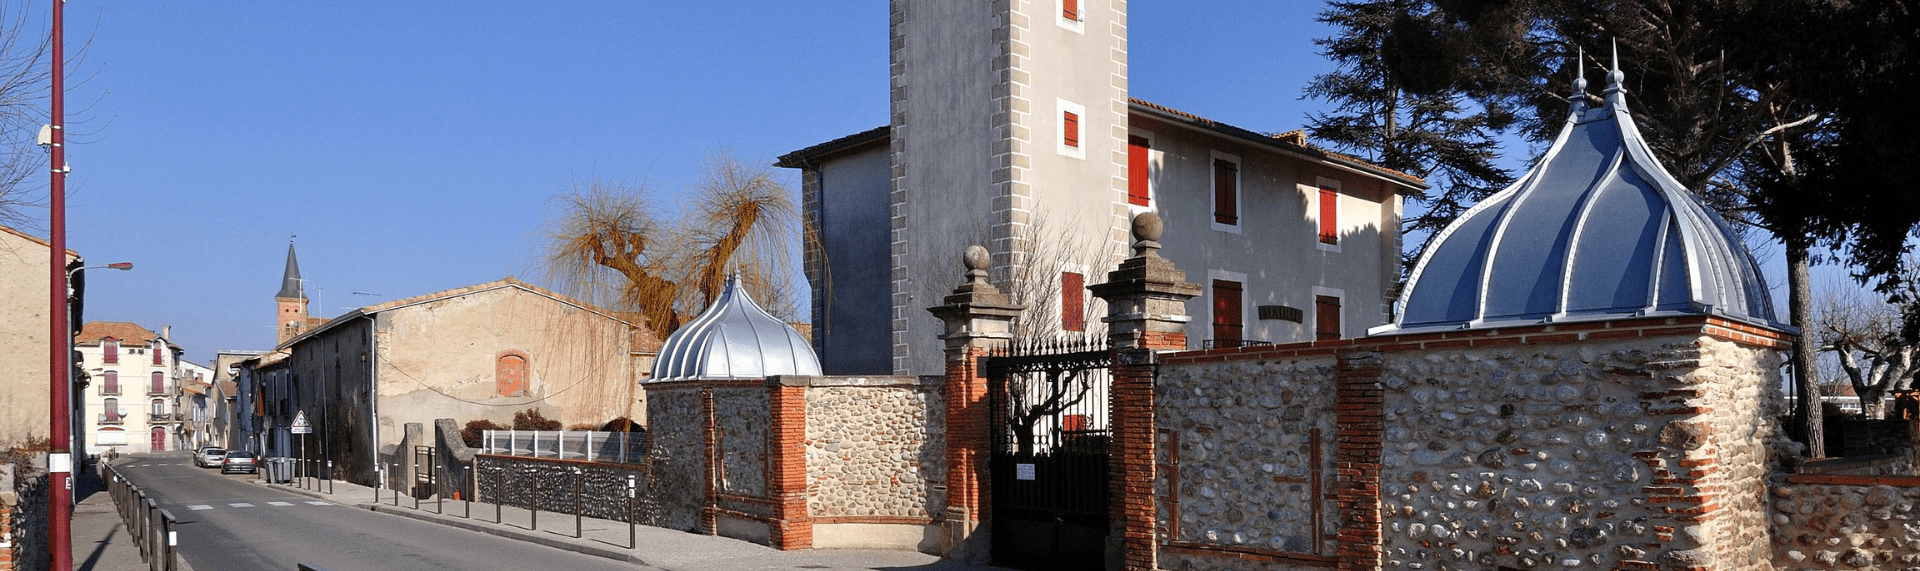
x=1597, y=230
x=734, y=339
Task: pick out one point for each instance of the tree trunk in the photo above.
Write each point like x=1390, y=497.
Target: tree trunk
x=1806, y=414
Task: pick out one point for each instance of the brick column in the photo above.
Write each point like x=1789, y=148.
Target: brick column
x=787, y=466
x=1146, y=312
x=709, y=523
x=1357, y=430
x=979, y=318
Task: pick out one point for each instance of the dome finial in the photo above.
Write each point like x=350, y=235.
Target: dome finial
x=1578, y=100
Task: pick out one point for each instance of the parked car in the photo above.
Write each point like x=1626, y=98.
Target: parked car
x=209, y=457
x=239, y=461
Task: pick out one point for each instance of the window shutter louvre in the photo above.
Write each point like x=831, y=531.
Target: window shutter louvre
x=1227, y=327
x=1138, y=171
x=1073, y=294
x=1329, y=216
x=1070, y=9
x=1326, y=317
x=1226, y=200
x=1071, y=128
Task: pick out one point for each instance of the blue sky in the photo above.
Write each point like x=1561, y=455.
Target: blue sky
x=413, y=146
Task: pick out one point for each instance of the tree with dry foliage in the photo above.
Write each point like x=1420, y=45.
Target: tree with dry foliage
x=614, y=247
x=1875, y=342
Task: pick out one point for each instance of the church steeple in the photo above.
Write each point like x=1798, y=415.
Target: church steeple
x=291, y=302
x=290, y=282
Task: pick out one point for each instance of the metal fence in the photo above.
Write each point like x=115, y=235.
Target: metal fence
x=152, y=528
x=613, y=447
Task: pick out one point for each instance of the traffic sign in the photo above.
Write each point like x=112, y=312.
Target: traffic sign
x=300, y=425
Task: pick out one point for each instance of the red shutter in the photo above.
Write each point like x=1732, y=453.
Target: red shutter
x=1073, y=296
x=1226, y=195
x=157, y=349
x=1329, y=216
x=1226, y=314
x=1070, y=9
x=111, y=384
x=510, y=375
x=111, y=410
x=110, y=352
x=159, y=384
x=1326, y=317
x=1138, y=171
x=1071, y=129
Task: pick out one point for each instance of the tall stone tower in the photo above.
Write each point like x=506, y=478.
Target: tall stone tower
x=1009, y=130
x=291, y=316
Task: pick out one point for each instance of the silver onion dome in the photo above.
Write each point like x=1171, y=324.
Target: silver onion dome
x=734, y=339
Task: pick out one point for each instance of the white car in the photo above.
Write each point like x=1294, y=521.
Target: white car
x=209, y=457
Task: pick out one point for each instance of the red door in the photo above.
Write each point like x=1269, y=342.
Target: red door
x=159, y=439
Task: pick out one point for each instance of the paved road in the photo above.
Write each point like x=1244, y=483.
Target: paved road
x=228, y=523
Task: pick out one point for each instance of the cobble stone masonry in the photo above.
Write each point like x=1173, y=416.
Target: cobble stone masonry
x=1245, y=458
x=874, y=452
x=550, y=485
x=1823, y=522
x=741, y=418
x=677, y=458
x=23, y=512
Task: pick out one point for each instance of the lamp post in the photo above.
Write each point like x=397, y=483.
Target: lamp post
x=60, y=458
x=75, y=402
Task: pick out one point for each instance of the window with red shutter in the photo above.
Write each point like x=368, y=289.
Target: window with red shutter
x=1070, y=128
x=1073, y=299
x=110, y=383
x=158, y=351
x=1070, y=9
x=1227, y=326
x=110, y=410
x=1226, y=192
x=1326, y=317
x=1329, y=216
x=1138, y=173
x=110, y=352
x=159, y=384
x=510, y=375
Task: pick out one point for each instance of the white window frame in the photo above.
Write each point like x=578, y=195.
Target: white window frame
x=1313, y=209
x=1060, y=17
x=1154, y=161
x=1239, y=194
x=1338, y=293
x=1061, y=108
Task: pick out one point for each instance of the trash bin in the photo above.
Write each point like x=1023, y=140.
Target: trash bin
x=279, y=470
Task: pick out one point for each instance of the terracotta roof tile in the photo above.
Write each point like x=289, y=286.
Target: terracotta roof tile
x=127, y=333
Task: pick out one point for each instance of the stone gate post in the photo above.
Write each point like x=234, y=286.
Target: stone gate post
x=1146, y=312
x=979, y=319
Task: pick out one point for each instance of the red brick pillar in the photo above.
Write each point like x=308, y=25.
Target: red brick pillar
x=710, y=443
x=1146, y=312
x=978, y=319
x=787, y=464
x=1357, y=428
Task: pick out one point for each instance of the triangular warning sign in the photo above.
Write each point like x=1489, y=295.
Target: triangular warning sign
x=300, y=420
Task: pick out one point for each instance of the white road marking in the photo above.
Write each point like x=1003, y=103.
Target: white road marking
x=319, y=503
x=279, y=504
x=200, y=507
x=241, y=505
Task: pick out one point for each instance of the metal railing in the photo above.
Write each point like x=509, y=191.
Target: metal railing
x=154, y=530
x=613, y=447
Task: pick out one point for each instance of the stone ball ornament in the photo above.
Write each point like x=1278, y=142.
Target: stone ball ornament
x=975, y=257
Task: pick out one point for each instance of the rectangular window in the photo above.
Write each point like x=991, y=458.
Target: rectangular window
x=110, y=383
x=1227, y=327
x=1326, y=317
x=159, y=384
x=157, y=353
x=1070, y=9
x=110, y=411
x=1070, y=128
x=110, y=352
x=1073, y=299
x=1226, y=192
x=1139, y=149
x=1329, y=216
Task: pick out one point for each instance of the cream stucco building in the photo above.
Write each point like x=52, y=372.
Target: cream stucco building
x=24, y=325
x=133, y=388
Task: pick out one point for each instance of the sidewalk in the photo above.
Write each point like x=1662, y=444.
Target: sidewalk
x=656, y=547
x=100, y=539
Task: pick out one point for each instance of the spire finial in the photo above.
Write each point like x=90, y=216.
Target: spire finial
x=1579, y=97
x=1616, y=77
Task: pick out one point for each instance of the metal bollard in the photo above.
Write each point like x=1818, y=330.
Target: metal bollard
x=576, y=502
x=633, y=540
x=329, y=476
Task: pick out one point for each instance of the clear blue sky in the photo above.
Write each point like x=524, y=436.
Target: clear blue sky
x=413, y=146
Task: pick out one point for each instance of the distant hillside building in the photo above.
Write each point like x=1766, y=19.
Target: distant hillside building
x=1011, y=127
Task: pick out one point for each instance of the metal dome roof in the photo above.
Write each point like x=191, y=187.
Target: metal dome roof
x=1597, y=230
x=734, y=339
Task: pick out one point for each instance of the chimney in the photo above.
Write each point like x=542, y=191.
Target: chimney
x=166, y=333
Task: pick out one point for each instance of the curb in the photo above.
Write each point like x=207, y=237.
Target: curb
x=530, y=536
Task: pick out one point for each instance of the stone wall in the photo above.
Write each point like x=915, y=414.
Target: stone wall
x=549, y=485
x=741, y=417
x=1845, y=522
x=24, y=514
x=678, y=456
x=875, y=449
x=1245, y=450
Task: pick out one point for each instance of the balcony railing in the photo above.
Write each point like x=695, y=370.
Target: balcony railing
x=156, y=391
x=162, y=417
x=105, y=418
x=1231, y=343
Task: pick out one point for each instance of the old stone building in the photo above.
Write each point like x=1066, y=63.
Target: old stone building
x=1011, y=128
x=23, y=332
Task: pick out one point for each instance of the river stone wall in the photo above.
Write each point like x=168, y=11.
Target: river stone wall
x=741, y=417
x=550, y=485
x=1823, y=522
x=678, y=456
x=23, y=504
x=874, y=446
x=1576, y=456
x=1236, y=446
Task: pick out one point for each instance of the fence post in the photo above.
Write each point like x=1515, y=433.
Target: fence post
x=633, y=540
x=439, y=496
x=329, y=477
x=473, y=476
x=499, y=492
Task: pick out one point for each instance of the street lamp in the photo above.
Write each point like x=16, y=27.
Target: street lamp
x=77, y=405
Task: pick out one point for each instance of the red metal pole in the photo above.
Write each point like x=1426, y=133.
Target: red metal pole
x=60, y=463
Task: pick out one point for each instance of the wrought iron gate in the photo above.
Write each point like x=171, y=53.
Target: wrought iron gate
x=1049, y=456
